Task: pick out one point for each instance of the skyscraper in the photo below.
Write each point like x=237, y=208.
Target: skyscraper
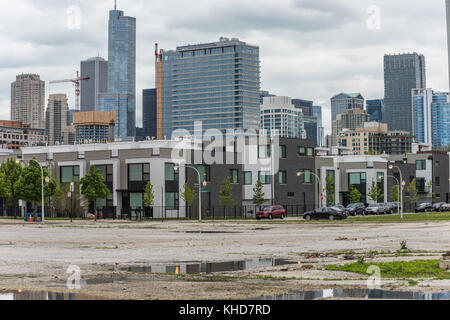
x=305, y=105
x=27, y=100
x=121, y=95
x=402, y=73
x=375, y=109
x=345, y=101
x=216, y=83
x=57, y=125
x=97, y=70
x=280, y=118
x=447, y=5
x=149, y=112
x=317, y=113
x=431, y=117
x=350, y=119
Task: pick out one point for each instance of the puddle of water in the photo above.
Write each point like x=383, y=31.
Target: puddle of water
x=208, y=267
x=359, y=294
x=44, y=295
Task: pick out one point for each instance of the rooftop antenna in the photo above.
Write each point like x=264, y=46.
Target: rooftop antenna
x=115, y=4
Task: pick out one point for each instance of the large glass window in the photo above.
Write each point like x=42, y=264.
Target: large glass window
x=264, y=152
x=69, y=174
x=310, y=152
x=421, y=165
x=106, y=171
x=136, y=200
x=380, y=177
x=139, y=172
x=307, y=176
x=171, y=173
x=282, y=177
x=301, y=151
x=264, y=177
x=172, y=200
x=282, y=152
x=234, y=173
x=248, y=178
x=204, y=173
x=357, y=178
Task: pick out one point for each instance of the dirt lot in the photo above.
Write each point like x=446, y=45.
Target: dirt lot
x=36, y=257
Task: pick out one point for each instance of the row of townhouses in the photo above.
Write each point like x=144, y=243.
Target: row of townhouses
x=293, y=171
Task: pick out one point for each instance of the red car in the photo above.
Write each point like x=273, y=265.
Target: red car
x=271, y=212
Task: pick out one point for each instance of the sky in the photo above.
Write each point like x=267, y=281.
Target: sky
x=309, y=49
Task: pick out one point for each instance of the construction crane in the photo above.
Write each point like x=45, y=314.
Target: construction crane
x=77, y=82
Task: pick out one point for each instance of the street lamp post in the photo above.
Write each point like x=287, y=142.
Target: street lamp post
x=42, y=188
x=399, y=186
x=401, y=189
x=199, y=190
x=299, y=174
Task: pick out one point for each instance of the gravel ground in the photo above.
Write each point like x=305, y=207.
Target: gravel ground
x=34, y=256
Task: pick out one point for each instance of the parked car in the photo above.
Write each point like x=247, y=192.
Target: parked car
x=437, y=207
x=271, y=212
x=375, y=209
x=445, y=207
x=387, y=208
x=355, y=209
x=394, y=206
x=340, y=206
x=424, y=207
x=329, y=213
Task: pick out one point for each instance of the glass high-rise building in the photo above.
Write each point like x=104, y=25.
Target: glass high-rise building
x=431, y=117
x=402, y=73
x=217, y=84
x=97, y=70
x=121, y=95
x=375, y=109
x=149, y=112
x=345, y=101
x=317, y=113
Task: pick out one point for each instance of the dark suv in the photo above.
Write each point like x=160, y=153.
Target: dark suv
x=355, y=209
x=271, y=212
x=438, y=206
x=424, y=207
x=329, y=213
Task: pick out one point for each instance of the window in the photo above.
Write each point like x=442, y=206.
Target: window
x=172, y=200
x=69, y=174
x=357, y=178
x=248, y=178
x=380, y=177
x=310, y=152
x=106, y=171
x=170, y=172
x=301, y=151
x=437, y=182
x=306, y=176
x=139, y=172
x=264, y=177
x=234, y=173
x=263, y=152
x=205, y=173
x=282, y=152
x=420, y=184
x=421, y=165
x=282, y=177
x=291, y=194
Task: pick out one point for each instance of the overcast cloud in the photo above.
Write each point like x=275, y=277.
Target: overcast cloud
x=310, y=49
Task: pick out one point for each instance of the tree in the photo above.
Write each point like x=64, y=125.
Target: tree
x=330, y=191
x=258, y=194
x=375, y=193
x=29, y=186
x=413, y=193
x=4, y=186
x=12, y=172
x=394, y=194
x=225, y=193
x=430, y=190
x=354, y=195
x=188, y=195
x=93, y=187
x=149, y=195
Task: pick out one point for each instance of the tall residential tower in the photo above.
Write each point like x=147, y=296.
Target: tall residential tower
x=402, y=73
x=27, y=100
x=97, y=70
x=121, y=95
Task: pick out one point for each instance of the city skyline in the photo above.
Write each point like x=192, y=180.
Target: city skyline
x=326, y=55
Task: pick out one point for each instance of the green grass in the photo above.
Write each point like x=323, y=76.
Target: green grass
x=398, y=269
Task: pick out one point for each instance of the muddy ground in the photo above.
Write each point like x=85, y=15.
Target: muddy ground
x=36, y=257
